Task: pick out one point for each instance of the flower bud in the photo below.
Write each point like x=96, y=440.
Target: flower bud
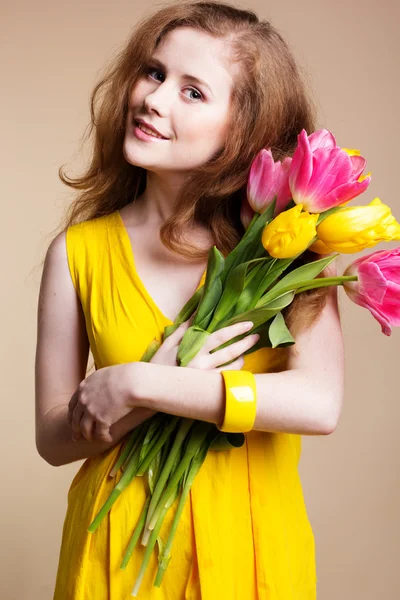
x=290, y=233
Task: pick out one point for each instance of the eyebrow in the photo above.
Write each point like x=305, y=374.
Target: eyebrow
x=185, y=75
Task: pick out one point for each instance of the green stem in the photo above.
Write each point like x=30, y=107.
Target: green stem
x=125, y=453
x=182, y=432
x=155, y=448
x=135, y=536
x=136, y=447
x=125, y=480
x=164, y=559
x=158, y=424
x=198, y=434
x=326, y=282
x=152, y=543
x=193, y=469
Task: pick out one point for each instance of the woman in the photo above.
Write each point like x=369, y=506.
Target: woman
x=199, y=89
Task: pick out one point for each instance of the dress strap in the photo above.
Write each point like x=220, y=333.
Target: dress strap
x=87, y=249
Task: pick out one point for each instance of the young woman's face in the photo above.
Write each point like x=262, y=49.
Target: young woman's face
x=193, y=116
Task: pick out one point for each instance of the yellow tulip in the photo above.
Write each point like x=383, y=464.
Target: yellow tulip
x=352, y=151
x=320, y=248
x=356, y=227
x=290, y=232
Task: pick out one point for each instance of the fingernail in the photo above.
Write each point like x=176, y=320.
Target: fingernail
x=247, y=325
x=256, y=337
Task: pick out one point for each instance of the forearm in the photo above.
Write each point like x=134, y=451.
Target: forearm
x=286, y=402
x=54, y=436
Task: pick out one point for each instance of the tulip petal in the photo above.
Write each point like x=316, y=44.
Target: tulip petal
x=358, y=299
x=391, y=272
x=388, y=260
x=301, y=168
x=246, y=213
x=358, y=163
x=321, y=139
x=391, y=306
x=375, y=289
x=283, y=190
x=346, y=192
x=331, y=168
x=320, y=248
x=372, y=284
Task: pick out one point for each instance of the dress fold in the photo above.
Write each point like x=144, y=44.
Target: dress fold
x=244, y=533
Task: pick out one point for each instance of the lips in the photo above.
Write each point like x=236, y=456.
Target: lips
x=149, y=126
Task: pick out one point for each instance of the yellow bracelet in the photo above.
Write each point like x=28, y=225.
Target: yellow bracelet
x=241, y=401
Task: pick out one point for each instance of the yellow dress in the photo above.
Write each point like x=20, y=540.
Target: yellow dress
x=244, y=533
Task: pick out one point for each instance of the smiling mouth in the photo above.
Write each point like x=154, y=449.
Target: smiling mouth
x=148, y=131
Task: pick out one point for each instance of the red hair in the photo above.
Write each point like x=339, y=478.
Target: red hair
x=269, y=107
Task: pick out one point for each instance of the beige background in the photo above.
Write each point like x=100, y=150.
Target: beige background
x=51, y=55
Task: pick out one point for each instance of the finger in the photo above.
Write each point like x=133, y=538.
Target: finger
x=233, y=351
x=102, y=432
x=175, y=338
x=71, y=407
x=87, y=427
x=236, y=365
x=225, y=334
x=76, y=418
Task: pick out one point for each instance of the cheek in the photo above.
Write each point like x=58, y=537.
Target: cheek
x=211, y=132
x=138, y=94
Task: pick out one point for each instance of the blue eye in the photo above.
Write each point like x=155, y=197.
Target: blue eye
x=151, y=70
x=196, y=92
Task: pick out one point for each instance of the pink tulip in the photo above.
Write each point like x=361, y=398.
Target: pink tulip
x=323, y=175
x=268, y=179
x=246, y=213
x=378, y=286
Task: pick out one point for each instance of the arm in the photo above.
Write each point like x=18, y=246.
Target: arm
x=60, y=365
x=305, y=399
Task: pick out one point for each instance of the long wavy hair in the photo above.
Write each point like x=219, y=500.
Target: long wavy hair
x=270, y=105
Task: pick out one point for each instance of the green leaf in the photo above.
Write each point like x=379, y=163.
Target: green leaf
x=251, y=284
x=250, y=243
x=186, y=312
x=255, y=288
x=297, y=277
x=264, y=341
x=212, y=288
x=279, y=334
x=279, y=302
x=192, y=342
x=275, y=271
x=206, y=308
x=215, y=266
x=261, y=314
x=234, y=285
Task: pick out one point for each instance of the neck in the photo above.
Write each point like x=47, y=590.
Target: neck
x=158, y=201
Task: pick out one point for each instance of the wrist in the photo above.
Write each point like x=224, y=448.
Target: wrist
x=136, y=383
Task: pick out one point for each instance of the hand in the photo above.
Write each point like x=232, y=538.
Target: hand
x=166, y=354
x=100, y=400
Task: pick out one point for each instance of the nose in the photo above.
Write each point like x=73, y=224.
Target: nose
x=159, y=100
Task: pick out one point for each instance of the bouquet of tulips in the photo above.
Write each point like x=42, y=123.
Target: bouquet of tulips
x=291, y=206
